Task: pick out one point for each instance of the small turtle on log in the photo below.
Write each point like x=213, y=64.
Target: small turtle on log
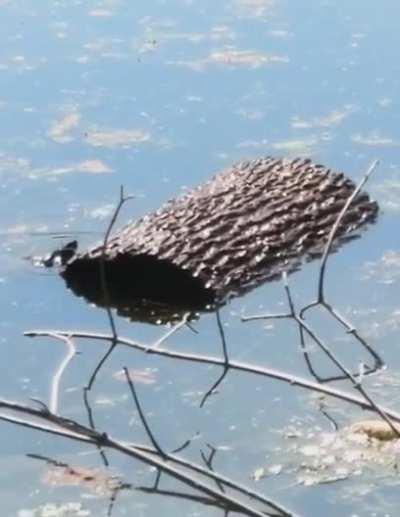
x=246, y=225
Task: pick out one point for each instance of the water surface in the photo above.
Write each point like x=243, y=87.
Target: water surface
x=157, y=96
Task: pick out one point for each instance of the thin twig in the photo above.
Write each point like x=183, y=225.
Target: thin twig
x=234, y=365
x=356, y=384
x=191, y=327
x=335, y=228
x=106, y=295
x=379, y=364
x=104, y=286
x=115, y=484
x=350, y=329
x=209, y=462
x=128, y=486
x=321, y=300
x=157, y=480
x=55, y=385
x=181, y=323
x=89, y=411
x=208, y=501
x=76, y=431
x=182, y=447
x=306, y=355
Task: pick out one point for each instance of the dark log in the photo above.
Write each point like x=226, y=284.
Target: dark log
x=246, y=225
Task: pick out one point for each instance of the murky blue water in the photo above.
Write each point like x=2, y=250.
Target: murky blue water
x=156, y=96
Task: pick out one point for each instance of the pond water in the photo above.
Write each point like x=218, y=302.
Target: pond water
x=156, y=96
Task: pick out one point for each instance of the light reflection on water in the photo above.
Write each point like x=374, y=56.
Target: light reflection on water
x=157, y=96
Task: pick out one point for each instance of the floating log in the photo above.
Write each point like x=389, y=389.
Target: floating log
x=245, y=226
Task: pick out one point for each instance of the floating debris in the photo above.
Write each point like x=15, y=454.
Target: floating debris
x=247, y=225
x=377, y=429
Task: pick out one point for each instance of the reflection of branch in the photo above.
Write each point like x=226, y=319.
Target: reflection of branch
x=113, y=498
x=321, y=300
x=378, y=362
x=226, y=361
x=191, y=327
x=302, y=326
x=99, y=365
x=73, y=430
x=106, y=295
x=89, y=411
x=104, y=287
x=182, y=495
x=310, y=332
x=308, y=361
x=157, y=480
x=331, y=420
x=112, y=484
x=185, y=444
x=233, y=365
x=227, y=482
x=142, y=416
x=209, y=462
x=356, y=384
x=47, y=420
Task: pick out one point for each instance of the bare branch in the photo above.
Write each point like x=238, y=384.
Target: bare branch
x=103, y=278
x=170, y=332
x=56, y=379
x=378, y=362
x=335, y=228
x=122, y=200
x=74, y=430
x=347, y=374
x=234, y=365
x=182, y=447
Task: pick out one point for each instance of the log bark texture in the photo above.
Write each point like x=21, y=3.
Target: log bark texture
x=246, y=225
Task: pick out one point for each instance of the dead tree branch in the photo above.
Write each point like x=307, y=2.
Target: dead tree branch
x=234, y=365
x=73, y=430
x=321, y=298
x=56, y=380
